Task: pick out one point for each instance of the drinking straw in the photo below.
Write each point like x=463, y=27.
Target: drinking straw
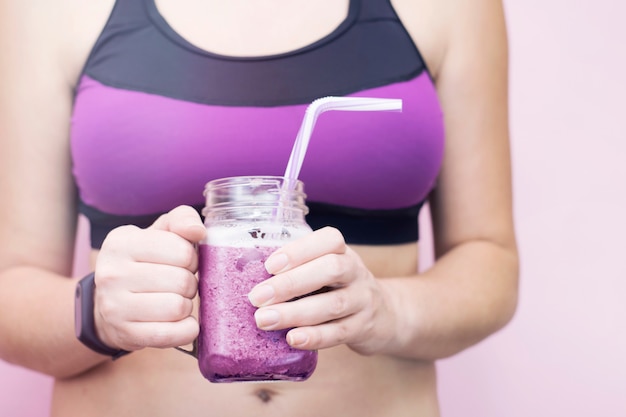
x=318, y=107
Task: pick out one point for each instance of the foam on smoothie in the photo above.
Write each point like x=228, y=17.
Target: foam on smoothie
x=253, y=234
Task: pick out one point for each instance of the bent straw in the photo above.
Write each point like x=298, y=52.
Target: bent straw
x=319, y=106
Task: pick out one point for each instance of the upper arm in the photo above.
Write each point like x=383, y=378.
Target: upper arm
x=473, y=198
x=37, y=213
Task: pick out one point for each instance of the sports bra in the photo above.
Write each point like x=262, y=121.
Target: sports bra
x=155, y=118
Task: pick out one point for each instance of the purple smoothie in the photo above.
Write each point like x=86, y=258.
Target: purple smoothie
x=230, y=346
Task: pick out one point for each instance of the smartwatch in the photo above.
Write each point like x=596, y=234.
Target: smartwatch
x=84, y=322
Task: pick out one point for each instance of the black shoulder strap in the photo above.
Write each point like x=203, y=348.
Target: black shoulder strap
x=376, y=10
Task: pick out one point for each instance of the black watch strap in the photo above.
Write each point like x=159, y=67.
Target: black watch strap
x=84, y=322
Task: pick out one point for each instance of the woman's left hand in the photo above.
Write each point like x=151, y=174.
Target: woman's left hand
x=356, y=310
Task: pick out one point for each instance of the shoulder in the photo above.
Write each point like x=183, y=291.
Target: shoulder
x=55, y=35
x=440, y=27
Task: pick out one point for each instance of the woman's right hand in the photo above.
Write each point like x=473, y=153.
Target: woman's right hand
x=146, y=283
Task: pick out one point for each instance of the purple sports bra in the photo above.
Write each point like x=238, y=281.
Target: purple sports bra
x=155, y=118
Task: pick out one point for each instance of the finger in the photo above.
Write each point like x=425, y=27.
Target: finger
x=183, y=221
x=162, y=279
x=137, y=335
x=308, y=311
x=319, y=337
x=149, y=245
x=305, y=249
x=146, y=307
x=327, y=271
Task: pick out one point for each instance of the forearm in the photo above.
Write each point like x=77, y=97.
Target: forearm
x=37, y=323
x=468, y=294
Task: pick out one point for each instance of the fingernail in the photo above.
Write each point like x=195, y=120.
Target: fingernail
x=296, y=338
x=266, y=319
x=276, y=262
x=192, y=226
x=261, y=295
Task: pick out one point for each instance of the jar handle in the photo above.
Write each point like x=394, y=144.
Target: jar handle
x=193, y=352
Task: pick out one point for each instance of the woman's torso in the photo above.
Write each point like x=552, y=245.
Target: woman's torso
x=154, y=382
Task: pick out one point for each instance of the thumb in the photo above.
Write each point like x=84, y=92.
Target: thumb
x=184, y=221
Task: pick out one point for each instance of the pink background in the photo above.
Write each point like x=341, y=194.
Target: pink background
x=564, y=354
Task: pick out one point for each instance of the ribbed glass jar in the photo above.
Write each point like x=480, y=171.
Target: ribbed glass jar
x=247, y=218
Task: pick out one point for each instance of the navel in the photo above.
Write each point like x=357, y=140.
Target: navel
x=265, y=395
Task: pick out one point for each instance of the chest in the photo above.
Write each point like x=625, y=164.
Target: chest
x=162, y=116
x=244, y=28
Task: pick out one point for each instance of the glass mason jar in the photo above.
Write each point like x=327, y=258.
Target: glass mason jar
x=247, y=218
